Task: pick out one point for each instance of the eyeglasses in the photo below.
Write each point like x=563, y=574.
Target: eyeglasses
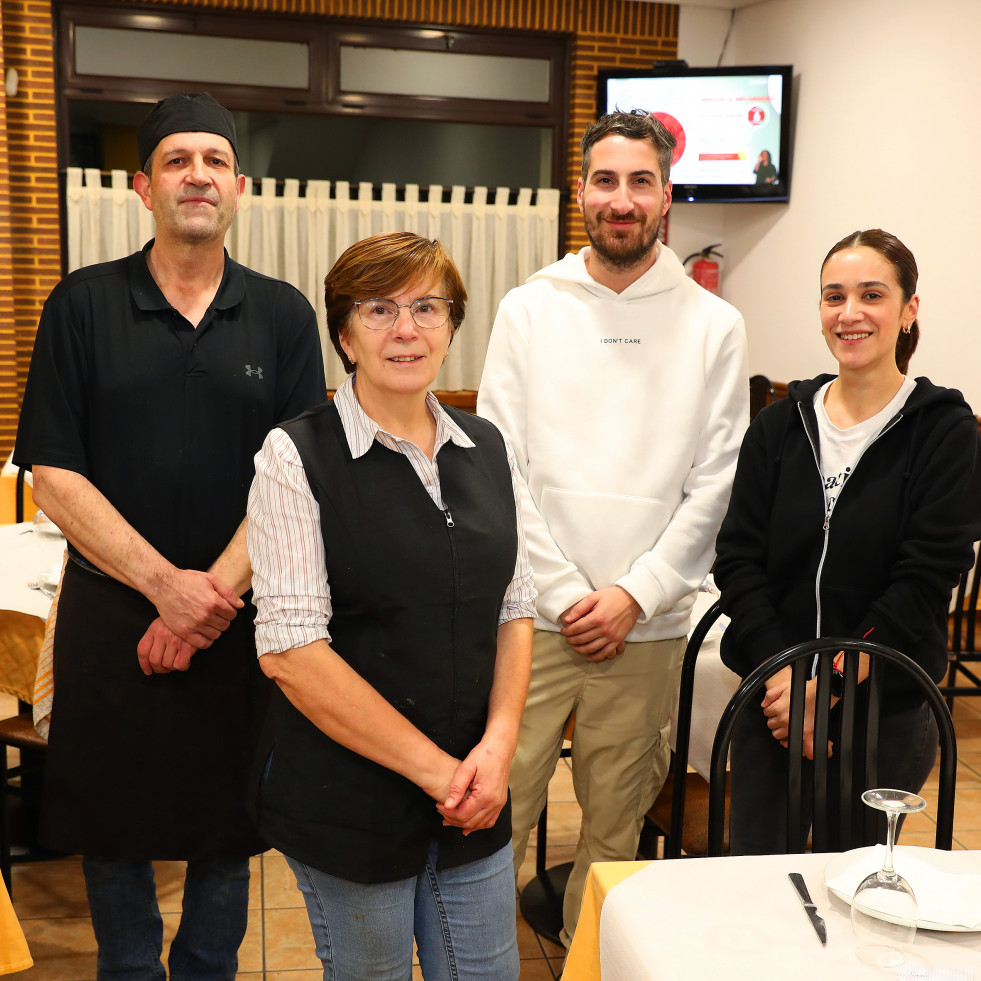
x=428, y=312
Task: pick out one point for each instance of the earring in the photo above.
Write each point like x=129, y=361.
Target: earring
x=445, y=356
x=907, y=328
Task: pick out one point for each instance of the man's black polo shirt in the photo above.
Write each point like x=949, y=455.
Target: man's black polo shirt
x=162, y=417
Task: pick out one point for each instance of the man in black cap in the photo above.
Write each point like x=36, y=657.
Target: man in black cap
x=154, y=380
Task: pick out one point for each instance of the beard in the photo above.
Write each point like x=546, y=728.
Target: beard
x=622, y=250
x=206, y=225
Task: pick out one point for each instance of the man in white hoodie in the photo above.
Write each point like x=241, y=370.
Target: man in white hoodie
x=623, y=389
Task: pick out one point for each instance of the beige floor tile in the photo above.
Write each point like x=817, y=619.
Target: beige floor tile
x=564, y=819
x=967, y=810
x=967, y=708
x=528, y=945
x=560, y=786
x=921, y=823
x=169, y=877
x=538, y=970
x=63, y=949
x=53, y=888
x=279, y=889
x=556, y=855
x=968, y=839
x=924, y=839
x=289, y=942
x=969, y=735
x=316, y=975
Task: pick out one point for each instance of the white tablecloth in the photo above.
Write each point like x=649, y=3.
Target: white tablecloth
x=24, y=555
x=738, y=918
x=714, y=686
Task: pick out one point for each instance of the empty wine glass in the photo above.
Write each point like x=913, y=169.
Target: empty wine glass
x=884, y=906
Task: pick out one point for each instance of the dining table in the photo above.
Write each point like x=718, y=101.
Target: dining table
x=14, y=955
x=738, y=918
x=26, y=556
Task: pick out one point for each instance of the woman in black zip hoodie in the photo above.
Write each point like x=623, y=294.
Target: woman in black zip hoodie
x=854, y=507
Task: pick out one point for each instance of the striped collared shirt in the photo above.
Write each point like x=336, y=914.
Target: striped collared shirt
x=286, y=547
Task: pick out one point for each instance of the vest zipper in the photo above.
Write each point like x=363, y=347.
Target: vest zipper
x=450, y=525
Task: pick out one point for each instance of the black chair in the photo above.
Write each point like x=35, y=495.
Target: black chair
x=962, y=638
x=825, y=816
x=541, y=899
x=679, y=814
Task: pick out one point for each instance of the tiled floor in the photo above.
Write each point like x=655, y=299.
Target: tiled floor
x=49, y=897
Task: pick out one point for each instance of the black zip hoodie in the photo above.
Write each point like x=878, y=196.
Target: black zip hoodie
x=885, y=562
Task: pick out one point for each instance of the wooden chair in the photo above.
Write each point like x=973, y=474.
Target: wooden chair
x=680, y=815
x=963, y=640
x=21, y=636
x=761, y=393
x=854, y=774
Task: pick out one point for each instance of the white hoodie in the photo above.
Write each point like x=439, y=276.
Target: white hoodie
x=625, y=412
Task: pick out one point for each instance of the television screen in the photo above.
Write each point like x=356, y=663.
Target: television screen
x=732, y=126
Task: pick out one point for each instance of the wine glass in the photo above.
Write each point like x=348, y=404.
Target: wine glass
x=884, y=906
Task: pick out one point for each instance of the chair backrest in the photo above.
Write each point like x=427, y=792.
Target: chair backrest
x=964, y=616
x=761, y=393
x=683, y=734
x=801, y=657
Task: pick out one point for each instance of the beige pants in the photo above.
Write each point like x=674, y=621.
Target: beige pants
x=620, y=751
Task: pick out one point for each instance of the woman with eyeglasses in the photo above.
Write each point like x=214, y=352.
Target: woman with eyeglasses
x=395, y=604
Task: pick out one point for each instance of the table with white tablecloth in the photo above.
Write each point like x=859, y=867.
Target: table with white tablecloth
x=732, y=918
x=26, y=555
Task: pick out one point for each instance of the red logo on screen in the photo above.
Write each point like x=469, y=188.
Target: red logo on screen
x=676, y=130
x=756, y=116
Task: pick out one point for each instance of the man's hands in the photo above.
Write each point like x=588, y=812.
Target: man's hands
x=162, y=651
x=197, y=606
x=597, y=626
x=195, y=609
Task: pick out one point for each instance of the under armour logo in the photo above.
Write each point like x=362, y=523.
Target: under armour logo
x=250, y=371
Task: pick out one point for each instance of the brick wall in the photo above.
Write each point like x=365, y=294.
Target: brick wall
x=30, y=253
x=605, y=34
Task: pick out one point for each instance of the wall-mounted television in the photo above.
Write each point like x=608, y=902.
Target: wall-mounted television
x=732, y=126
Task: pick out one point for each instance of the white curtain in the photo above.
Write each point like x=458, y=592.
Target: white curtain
x=297, y=236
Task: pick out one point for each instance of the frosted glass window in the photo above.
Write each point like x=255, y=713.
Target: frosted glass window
x=123, y=53
x=404, y=71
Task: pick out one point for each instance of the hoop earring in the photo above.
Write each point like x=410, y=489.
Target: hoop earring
x=907, y=328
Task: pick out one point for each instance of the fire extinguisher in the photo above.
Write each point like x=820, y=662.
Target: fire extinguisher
x=705, y=272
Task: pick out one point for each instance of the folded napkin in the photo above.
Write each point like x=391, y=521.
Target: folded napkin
x=944, y=896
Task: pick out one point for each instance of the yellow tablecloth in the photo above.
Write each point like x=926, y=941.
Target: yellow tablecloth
x=14, y=955
x=583, y=962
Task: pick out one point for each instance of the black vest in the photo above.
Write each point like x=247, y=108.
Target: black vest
x=416, y=595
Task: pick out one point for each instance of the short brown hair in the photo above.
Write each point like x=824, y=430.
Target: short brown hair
x=634, y=125
x=385, y=264
x=901, y=259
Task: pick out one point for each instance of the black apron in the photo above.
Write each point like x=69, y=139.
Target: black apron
x=147, y=767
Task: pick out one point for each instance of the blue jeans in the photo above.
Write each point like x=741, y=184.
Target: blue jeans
x=463, y=920
x=129, y=930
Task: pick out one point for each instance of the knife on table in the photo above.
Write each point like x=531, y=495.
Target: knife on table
x=812, y=914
